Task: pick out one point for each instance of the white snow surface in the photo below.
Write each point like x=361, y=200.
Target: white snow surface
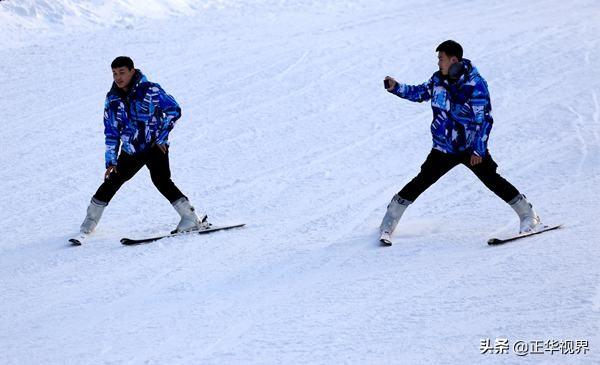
x=286, y=126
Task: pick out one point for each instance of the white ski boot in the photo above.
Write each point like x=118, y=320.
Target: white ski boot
x=189, y=219
x=94, y=213
x=392, y=216
x=529, y=220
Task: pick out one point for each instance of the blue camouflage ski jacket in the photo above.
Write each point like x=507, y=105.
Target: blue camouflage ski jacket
x=137, y=119
x=462, y=111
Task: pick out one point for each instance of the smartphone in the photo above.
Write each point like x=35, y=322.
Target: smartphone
x=386, y=83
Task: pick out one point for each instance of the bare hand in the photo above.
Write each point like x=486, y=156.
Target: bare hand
x=475, y=160
x=162, y=148
x=110, y=170
x=392, y=83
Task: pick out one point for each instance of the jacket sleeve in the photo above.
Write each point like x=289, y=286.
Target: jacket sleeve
x=168, y=113
x=480, y=125
x=111, y=135
x=418, y=93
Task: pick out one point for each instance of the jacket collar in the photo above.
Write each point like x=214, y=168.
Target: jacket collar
x=468, y=73
x=136, y=80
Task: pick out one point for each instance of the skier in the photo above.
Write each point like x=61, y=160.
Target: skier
x=138, y=116
x=462, y=120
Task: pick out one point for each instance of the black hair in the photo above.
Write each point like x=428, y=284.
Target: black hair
x=451, y=48
x=122, y=61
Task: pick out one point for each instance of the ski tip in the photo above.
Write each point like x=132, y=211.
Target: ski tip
x=238, y=225
x=494, y=241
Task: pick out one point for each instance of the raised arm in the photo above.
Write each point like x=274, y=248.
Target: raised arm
x=417, y=93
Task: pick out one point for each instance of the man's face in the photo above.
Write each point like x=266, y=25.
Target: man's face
x=122, y=76
x=444, y=62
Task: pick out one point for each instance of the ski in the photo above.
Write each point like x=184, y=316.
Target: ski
x=78, y=240
x=499, y=241
x=132, y=242
x=385, y=239
x=385, y=242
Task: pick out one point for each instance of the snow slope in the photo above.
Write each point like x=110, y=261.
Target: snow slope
x=286, y=127
x=36, y=14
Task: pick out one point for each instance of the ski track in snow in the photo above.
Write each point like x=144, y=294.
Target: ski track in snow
x=286, y=127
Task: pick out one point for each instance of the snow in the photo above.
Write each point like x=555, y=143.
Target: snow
x=286, y=127
x=32, y=14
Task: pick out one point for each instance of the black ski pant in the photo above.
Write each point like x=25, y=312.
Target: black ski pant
x=128, y=165
x=439, y=163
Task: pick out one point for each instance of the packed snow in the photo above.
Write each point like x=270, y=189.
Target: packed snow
x=286, y=127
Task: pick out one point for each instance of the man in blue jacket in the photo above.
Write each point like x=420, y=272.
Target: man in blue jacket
x=462, y=120
x=138, y=116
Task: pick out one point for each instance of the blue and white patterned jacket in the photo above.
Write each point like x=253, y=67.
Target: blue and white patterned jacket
x=137, y=119
x=462, y=111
